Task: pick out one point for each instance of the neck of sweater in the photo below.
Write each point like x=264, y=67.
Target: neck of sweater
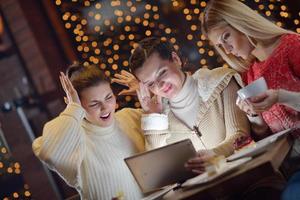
x=186, y=96
x=98, y=130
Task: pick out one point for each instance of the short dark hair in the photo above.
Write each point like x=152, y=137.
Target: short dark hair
x=83, y=77
x=146, y=48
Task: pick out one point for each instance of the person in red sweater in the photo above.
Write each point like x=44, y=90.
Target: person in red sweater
x=256, y=48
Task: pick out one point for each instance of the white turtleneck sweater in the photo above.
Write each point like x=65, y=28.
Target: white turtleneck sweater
x=207, y=100
x=185, y=105
x=91, y=158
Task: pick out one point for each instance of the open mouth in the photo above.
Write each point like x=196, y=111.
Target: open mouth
x=105, y=116
x=167, y=89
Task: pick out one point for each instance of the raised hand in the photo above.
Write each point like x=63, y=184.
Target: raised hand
x=71, y=93
x=127, y=79
x=148, y=103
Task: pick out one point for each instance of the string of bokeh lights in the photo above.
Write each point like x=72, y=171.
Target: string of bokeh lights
x=105, y=32
x=11, y=170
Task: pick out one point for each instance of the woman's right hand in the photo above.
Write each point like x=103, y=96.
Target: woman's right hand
x=71, y=93
x=246, y=106
x=148, y=103
x=199, y=162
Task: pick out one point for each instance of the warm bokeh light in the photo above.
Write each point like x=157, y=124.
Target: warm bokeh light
x=106, y=33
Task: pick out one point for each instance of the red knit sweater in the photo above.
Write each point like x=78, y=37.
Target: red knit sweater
x=281, y=71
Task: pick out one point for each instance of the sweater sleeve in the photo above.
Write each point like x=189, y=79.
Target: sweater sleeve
x=155, y=127
x=130, y=121
x=293, y=47
x=236, y=121
x=62, y=144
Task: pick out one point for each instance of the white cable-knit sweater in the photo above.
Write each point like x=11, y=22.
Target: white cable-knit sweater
x=90, y=158
x=207, y=100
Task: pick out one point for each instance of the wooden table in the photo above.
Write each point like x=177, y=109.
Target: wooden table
x=265, y=165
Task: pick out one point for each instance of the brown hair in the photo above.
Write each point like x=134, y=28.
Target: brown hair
x=83, y=77
x=146, y=48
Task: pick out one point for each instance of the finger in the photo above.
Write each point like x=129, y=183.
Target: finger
x=195, y=160
x=260, y=106
x=142, y=90
x=119, y=81
x=204, y=155
x=120, y=76
x=194, y=166
x=259, y=98
x=70, y=85
x=141, y=100
x=66, y=100
x=201, y=153
x=198, y=171
x=201, y=158
x=245, y=105
x=247, y=102
x=62, y=82
x=260, y=109
x=159, y=99
x=123, y=92
x=139, y=95
x=238, y=101
x=127, y=92
x=147, y=91
x=64, y=77
x=128, y=74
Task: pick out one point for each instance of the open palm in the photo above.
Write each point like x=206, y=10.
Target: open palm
x=71, y=93
x=127, y=79
x=149, y=103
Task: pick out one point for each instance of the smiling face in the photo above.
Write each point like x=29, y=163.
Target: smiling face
x=162, y=76
x=231, y=41
x=99, y=103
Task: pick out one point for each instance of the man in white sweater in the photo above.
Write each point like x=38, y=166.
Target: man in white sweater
x=87, y=143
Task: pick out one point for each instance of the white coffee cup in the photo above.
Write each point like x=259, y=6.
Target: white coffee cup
x=253, y=89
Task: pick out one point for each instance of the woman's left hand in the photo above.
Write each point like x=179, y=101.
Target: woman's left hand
x=150, y=104
x=127, y=79
x=264, y=101
x=198, y=163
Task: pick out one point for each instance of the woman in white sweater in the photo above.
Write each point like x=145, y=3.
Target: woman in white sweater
x=87, y=142
x=199, y=107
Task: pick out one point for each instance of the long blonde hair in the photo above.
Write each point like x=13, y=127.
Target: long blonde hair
x=220, y=13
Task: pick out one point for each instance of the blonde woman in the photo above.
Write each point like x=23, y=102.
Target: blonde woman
x=256, y=48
